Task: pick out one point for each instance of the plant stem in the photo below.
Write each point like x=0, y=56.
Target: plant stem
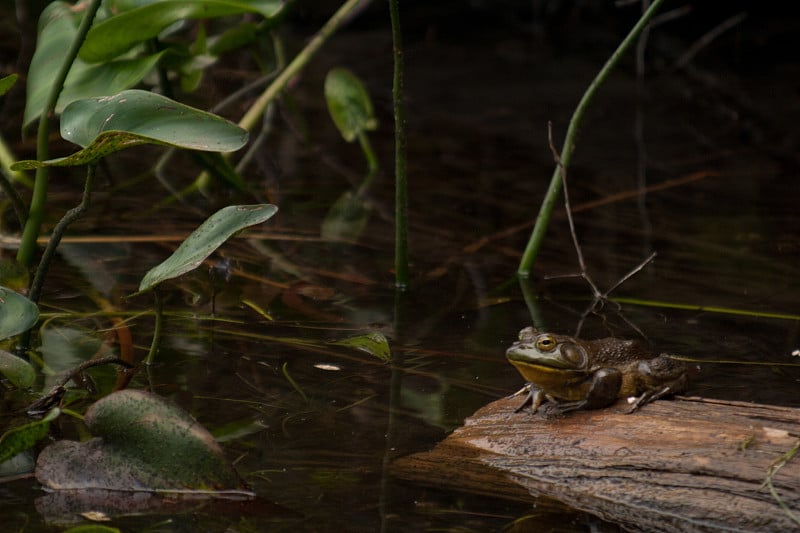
x=58, y=232
x=546, y=209
x=372, y=164
x=255, y=112
x=401, y=183
x=159, y=313
x=39, y=199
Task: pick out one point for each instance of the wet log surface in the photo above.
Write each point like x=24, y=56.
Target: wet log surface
x=689, y=464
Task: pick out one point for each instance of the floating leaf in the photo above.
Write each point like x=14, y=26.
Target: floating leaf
x=17, y=313
x=110, y=123
x=349, y=104
x=7, y=83
x=58, y=26
x=142, y=443
x=92, y=528
x=211, y=234
x=120, y=33
x=19, y=439
x=347, y=218
x=374, y=343
x=16, y=369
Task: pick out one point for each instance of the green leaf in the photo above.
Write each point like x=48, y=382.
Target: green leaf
x=7, y=83
x=120, y=33
x=347, y=218
x=108, y=124
x=17, y=370
x=93, y=528
x=19, y=439
x=374, y=343
x=142, y=443
x=211, y=234
x=17, y=313
x=58, y=26
x=349, y=104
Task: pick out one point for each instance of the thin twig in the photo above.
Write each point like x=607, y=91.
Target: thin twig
x=557, y=158
x=707, y=38
x=69, y=217
x=599, y=298
x=630, y=274
x=53, y=397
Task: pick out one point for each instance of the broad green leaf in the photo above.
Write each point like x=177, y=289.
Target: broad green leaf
x=17, y=313
x=108, y=124
x=7, y=83
x=142, y=443
x=349, y=104
x=347, y=218
x=211, y=234
x=58, y=26
x=120, y=33
x=19, y=439
x=16, y=369
x=374, y=343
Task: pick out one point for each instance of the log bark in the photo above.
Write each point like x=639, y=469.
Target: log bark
x=689, y=464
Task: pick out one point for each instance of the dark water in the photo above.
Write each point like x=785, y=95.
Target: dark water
x=478, y=105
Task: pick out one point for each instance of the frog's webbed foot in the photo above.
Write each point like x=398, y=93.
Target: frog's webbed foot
x=566, y=407
x=534, y=397
x=650, y=396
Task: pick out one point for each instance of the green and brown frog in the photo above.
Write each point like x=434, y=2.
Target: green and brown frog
x=579, y=374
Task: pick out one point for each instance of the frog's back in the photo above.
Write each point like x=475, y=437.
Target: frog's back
x=612, y=352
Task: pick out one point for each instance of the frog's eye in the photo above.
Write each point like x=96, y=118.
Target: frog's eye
x=545, y=343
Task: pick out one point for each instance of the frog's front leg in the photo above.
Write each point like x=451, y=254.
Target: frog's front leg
x=604, y=389
x=535, y=397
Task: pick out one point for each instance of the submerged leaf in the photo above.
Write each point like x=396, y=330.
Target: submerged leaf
x=120, y=33
x=19, y=439
x=16, y=369
x=349, y=104
x=142, y=443
x=17, y=313
x=347, y=218
x=211, y=234
x=374, y=343
x=111, y=123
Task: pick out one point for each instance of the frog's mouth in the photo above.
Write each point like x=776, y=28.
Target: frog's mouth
x=526, y=353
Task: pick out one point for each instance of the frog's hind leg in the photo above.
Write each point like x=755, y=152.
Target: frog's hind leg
x=651, y=396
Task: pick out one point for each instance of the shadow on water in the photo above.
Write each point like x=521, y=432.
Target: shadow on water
x=310, y=425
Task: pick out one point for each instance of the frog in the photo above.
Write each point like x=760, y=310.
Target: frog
x=592, y=374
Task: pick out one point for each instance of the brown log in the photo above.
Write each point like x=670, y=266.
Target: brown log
x=689, y=464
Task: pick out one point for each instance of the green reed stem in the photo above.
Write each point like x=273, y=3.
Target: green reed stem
x=255, y=112
x=157, y=329
x=546, y=209
x=372, y=164
x=38, y=206
x=401, y=182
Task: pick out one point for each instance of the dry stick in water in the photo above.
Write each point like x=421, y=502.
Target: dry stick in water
x=598, y=297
